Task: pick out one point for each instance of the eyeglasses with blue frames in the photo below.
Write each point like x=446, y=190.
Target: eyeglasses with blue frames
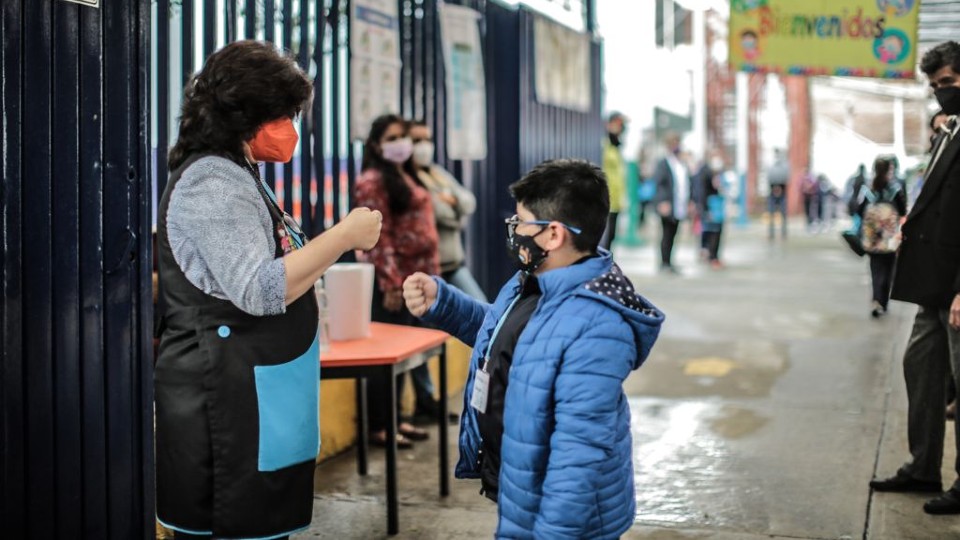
x=515, y=221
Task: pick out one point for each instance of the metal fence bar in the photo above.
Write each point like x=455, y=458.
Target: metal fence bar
x=306, y=121
x=66, y=285
x=270, y=34
x=186, y=39
x=230, y=13
x=95, y=468
x=351, y=157
x=209, y=28
x=163, y=93
x=250, y=20
x=287, y=47
x=336, y=19
x=318, y=209
x=38, y=314
x=121, y=110
x=13, y=457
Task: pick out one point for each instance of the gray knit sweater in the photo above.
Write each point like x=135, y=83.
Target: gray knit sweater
x=222, y=238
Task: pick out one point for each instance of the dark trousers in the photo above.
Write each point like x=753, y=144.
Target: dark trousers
x=932, y=356
x=611, y=231
x=881, y=272
x=777, y=204
x=711, y=242
x=670, y=227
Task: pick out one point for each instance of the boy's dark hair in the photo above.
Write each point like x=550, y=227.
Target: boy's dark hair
x=573, y=192
x=944, y=54
x=241, y=87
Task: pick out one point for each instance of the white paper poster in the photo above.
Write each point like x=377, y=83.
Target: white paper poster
x=562, y=60
x=375, y=63
x=466, y=87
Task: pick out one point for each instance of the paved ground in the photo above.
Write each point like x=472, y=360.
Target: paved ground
x=769, y=402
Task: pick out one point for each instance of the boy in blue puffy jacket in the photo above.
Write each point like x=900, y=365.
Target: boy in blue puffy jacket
x=546, y=425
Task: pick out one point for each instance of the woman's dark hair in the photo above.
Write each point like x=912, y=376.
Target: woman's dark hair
x=881, y=169
x=241, y=87
x=398, y=192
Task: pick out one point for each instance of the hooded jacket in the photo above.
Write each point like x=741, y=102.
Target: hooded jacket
x=567, y=469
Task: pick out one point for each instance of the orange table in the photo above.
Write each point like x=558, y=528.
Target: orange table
x=389, y=351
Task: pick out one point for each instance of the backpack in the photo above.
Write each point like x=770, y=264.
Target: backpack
x=880, y=230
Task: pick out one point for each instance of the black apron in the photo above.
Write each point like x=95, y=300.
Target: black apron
x=237, y=426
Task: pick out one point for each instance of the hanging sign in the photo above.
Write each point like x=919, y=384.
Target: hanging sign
x=562, y=66
x=466, y=89
x=374, y=63
x=852, y=38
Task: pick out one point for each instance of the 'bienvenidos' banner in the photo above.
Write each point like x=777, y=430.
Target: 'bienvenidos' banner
x=853, y=38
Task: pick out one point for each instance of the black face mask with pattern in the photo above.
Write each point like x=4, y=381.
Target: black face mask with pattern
x=525, y=252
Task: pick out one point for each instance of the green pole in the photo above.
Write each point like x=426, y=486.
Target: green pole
x=632, y=236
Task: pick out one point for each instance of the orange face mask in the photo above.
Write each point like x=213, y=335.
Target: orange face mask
x=275, y=141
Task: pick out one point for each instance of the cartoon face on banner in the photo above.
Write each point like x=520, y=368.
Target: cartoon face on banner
x=892, y=47
x=750, y=45
x=896, y=8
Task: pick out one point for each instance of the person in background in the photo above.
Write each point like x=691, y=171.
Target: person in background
x=545, y=424
x=237, y=378
x=828, y=202
x=453, y=205
x=851, y=191
x=710, y=203
x=409, y=244
x=616, y=172
x=778, y=177
x=810, y=188
x=673, y=199
x=883, y=195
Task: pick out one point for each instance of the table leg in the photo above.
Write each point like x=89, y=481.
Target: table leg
x=393, y=524
x=444, y=426
x=363, y=426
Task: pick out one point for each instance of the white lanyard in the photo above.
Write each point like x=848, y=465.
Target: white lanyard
x=481, y=383
x=496, y=331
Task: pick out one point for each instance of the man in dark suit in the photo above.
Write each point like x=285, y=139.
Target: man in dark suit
x=673, y=198
x=928, y=274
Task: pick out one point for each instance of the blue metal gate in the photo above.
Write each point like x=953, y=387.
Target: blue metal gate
x=75, y=371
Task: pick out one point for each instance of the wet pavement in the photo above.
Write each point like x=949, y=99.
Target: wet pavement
x=769, y=402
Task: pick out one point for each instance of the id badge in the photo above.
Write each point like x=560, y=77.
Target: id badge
x=481, y=387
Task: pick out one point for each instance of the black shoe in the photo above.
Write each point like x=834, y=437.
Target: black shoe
x=948, y=503
x=901, y=483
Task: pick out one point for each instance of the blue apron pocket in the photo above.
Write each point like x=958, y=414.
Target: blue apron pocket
x=288, y=400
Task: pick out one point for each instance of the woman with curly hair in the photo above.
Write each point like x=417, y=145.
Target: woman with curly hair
x=237, y=377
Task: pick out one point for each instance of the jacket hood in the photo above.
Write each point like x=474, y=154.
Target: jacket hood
x=615, y=289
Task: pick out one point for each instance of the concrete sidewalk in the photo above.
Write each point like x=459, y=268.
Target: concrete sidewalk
x=768, y=404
